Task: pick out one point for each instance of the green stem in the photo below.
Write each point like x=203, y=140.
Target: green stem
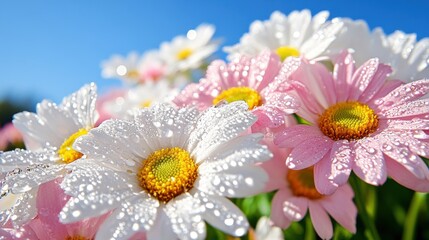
x=309, y=230
x=411, y=218
x=363, y=213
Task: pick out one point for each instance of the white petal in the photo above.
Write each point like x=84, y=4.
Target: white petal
x=135, y=214
x=21, y=158
x=238, y=152
x=116, y=143
x=23, y=210
x=81, y=105
x=95, y=191
x=218, y=125
x=165, y=126
x=235, y=182
x=224, y=215
x=185, y=213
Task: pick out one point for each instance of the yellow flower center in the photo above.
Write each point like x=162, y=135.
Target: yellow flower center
x=133, y=74
x=348, y=120
x=66, y=151
x=301, y=182
x=287, y=51
x=184, y=53
x=167, y=173
x=250, y=96
x=145, y=104
x=76, y=238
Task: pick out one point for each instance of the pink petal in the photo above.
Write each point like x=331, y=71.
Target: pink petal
x=405, y=177
x=376, y=83
x=368, y=79
x=276, y=170
x=408, y=109
x=318, y=80
x=321, y=221
x=369, y=162
x=341, y=207
x=277, y=214
x=263, y=70
x=309, y=152
x=396, y=146
x=387, y=88
x=405, y=93
x=343, y=72
x=295, y=135
x=51, y=199
x=334, y=169
x=295, y=208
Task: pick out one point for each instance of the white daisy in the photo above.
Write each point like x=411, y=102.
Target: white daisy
x=265, y=230
x=48, y=136
x=189, y=52
x=124, y=68
x=293, y=35
x=166, y=172
x=141, y=96
x=408, y=58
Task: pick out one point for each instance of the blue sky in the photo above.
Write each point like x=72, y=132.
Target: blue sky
x=49, y=49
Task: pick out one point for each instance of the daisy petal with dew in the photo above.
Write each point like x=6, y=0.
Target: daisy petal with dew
x=407, y=56
x=166, y=172
x=297, y=34
x=360, y=122
x=260, y=81
x=48, y=136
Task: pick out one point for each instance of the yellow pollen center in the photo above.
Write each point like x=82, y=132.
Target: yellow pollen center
x=66, y=151
x=250, y=96
x=167, y=173
x=76, y=238
x=301, y=182
x=348, y=120
x=145, y=104
x=133, y=74
x=184, y=53
x=287, y=51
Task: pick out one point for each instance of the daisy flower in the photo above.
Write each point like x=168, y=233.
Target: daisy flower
x=166, y=172
x=297, y=194
x=190, y=51
x=259, y=81
x=358, y=121
x=266, y=231
x=48, y=136
x=138, y=97
x=408, y=58
x=298, y=34
x=124, y=68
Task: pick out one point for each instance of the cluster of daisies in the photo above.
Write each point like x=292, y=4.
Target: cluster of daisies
x=301, y=107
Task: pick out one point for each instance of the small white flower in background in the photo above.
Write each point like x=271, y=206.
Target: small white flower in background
x=265, y=230
x=141, y=96
x=189, y=52
x=294, y=35
x=408, y=58
x=48, y=136
x=166, y=172
x=124, y=68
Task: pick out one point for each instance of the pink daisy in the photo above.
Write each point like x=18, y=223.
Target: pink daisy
x=297, y=193
x=358, y=121
x=258, y=81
